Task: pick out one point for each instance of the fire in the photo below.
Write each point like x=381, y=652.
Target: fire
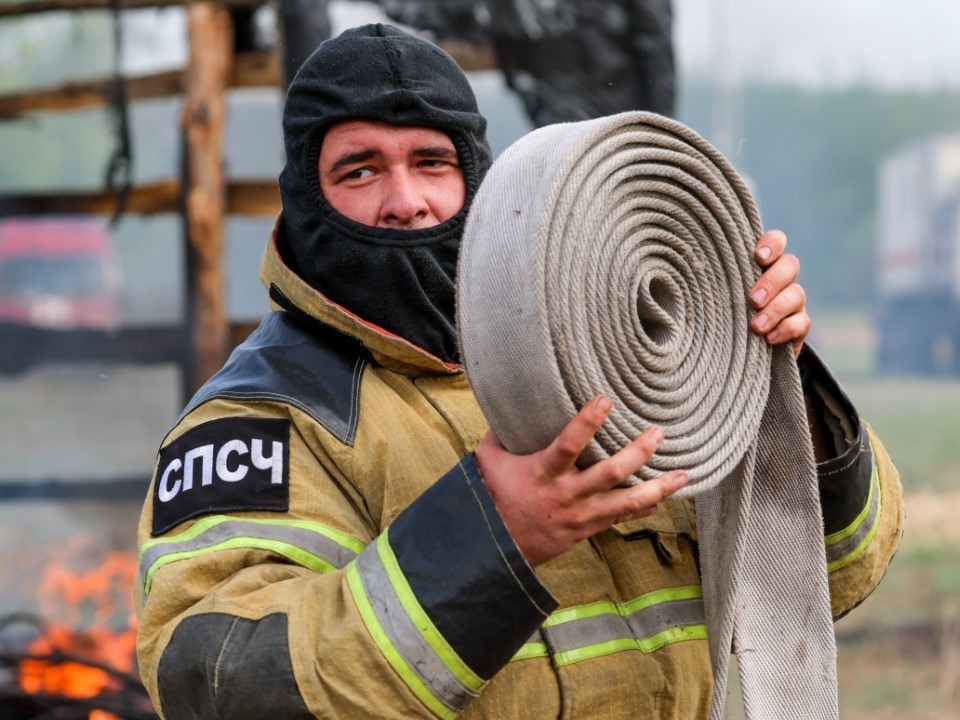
x=50, y=670
x=91, y=639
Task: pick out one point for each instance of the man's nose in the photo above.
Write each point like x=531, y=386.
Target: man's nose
x=404, y=203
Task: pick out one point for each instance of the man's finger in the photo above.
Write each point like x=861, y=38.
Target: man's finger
x=635, y=501
x=770, y=247
x=562, y=453
x=790, y=301
x=793, y=329
x=617, y=468
x=775, y=278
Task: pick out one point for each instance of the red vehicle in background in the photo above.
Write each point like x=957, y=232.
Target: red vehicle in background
x=59, y=287
x=58, y=274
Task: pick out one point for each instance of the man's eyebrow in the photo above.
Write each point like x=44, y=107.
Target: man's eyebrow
x=438, y=151
x=352, y=159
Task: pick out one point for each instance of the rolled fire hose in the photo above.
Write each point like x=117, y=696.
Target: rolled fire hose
x=615, y=256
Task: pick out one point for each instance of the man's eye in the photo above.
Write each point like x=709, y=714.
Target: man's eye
x=436, y=163
x=358, y=174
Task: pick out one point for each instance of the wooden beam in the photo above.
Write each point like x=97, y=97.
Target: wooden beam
x=256, y=69
x=253, y=69
x=472, y=57
x=25, y=7
x=146, y=199
x=254, y=198
x=210, y=34
x=80, y=95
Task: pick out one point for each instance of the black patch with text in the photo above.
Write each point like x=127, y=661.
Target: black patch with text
x=223, y=465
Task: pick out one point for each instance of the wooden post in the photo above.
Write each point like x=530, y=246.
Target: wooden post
x=210, y=34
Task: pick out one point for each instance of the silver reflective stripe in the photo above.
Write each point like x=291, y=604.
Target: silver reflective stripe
x=847, y=549
x=655, y=619
x=313, y=542
x=583, y=632
x=406, y=638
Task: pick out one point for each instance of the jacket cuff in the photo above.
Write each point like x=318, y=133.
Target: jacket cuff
x=846, y=478
x=446, y=593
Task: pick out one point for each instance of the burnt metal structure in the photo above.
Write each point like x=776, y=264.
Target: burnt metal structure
x=566, y=59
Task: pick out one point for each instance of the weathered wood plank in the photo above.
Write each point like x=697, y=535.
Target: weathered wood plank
x=254, y=198
x=9, y=8
x=146, y=199
x=93, y=93
x=254, y=69
x=250, y=198
x=472, y=57
x=210, y=34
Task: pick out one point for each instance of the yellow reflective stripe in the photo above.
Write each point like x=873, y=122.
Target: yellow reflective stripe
x=206, y=523
x=646, y=645
x=834, y=538
x=606, y=607
x=591, y=651
x=393, y=657
x=687, y=592
x=677, y=634
x=862, y=545
x=312, y=545
x=858, y=550
x=422, y=621
x=531, y=650
x=579, y=612
x=628, y=611
x=291, y=552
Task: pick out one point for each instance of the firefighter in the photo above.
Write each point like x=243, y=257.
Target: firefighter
x=332, y=531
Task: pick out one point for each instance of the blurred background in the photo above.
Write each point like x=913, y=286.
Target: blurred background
x=139, y=150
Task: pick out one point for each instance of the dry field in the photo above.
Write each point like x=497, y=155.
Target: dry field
x=899, y=653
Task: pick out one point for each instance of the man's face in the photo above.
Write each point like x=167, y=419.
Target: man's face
x=388, y=176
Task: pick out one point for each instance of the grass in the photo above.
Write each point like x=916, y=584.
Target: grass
x=899, y=653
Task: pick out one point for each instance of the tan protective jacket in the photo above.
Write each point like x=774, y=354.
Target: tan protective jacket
x=317, y=542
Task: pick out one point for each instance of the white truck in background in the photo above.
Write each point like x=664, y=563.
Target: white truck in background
x=918, y=262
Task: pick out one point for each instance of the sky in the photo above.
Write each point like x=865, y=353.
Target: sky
x=824, y=43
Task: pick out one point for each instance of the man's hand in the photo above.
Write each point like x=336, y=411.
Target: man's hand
x=778, y=298
x=549, y=505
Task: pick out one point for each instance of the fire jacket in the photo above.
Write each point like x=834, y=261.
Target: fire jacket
x=318, y=542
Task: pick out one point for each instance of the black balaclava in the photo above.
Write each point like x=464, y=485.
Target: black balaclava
x=399, y=280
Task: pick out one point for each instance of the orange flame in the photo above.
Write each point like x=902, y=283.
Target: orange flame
x=94, y=623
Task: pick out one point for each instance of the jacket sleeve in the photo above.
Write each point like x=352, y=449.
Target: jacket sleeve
x=860, y=492
x=307, y=611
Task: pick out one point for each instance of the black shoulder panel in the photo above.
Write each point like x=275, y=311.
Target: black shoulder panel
x=316, y=370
